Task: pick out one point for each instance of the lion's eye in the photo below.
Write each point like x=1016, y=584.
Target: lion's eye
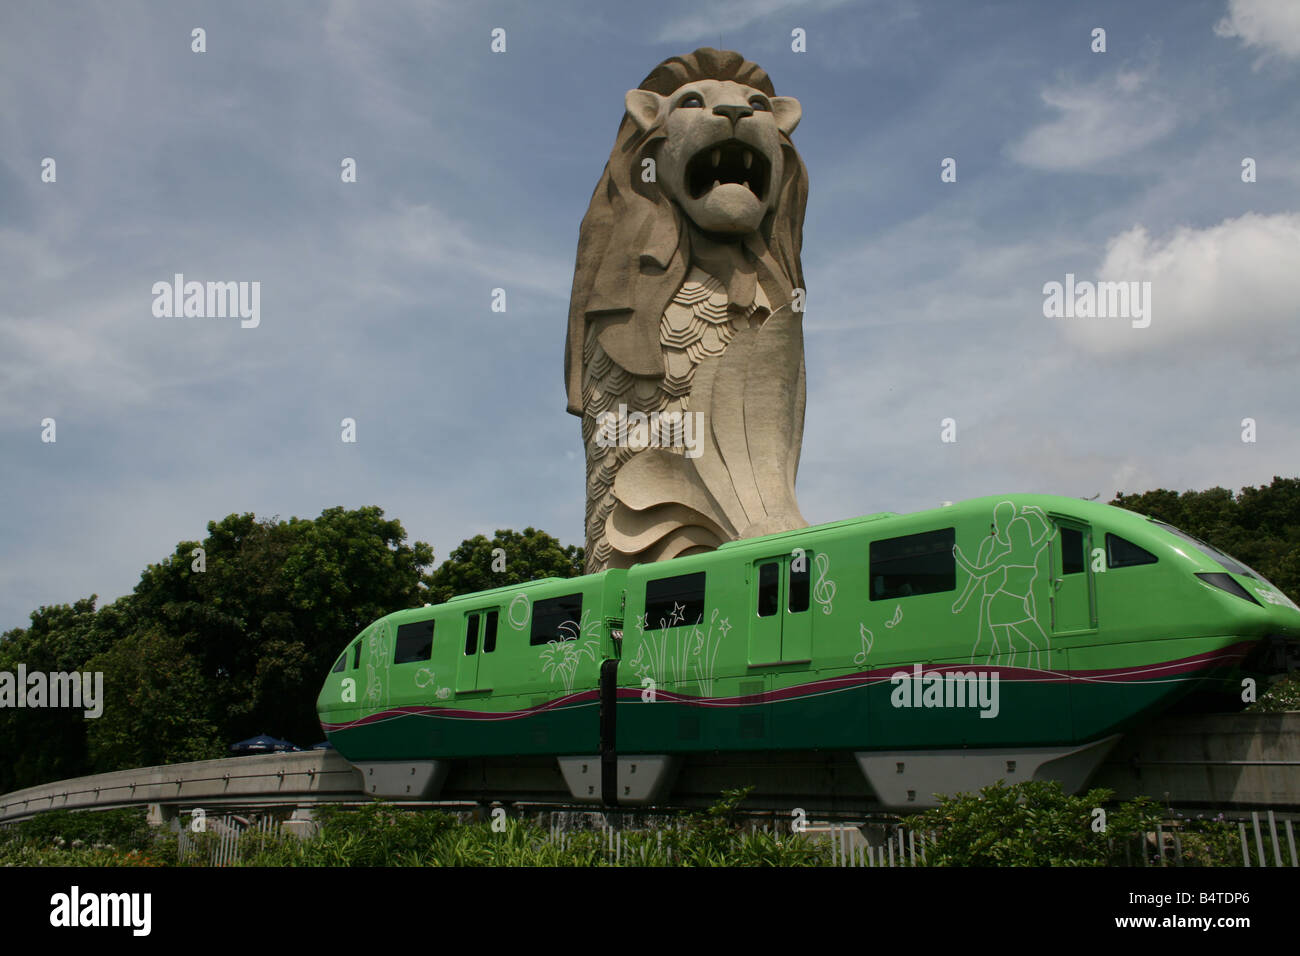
x=691, y=99
x=759, y=104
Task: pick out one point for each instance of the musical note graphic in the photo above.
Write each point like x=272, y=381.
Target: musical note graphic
x=824, y=592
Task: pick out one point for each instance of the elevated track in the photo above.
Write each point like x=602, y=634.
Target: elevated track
x=1228, y=762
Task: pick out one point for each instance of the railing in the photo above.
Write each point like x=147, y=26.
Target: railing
x=227, y=830
x=304, y=777
x=1162, y=846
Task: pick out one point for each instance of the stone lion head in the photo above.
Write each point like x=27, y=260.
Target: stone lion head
x=703, y=150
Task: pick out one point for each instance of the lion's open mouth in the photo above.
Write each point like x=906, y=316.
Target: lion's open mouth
x=728, y=162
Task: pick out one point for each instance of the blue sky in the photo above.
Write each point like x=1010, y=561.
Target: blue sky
x=474, y=168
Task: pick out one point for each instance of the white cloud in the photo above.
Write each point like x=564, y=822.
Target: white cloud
x=432, y=242
x=1271, y=25
x=1233, y=286
x=730, y=16
x=1098, y=122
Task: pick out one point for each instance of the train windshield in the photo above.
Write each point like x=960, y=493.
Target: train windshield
x=1230, y=564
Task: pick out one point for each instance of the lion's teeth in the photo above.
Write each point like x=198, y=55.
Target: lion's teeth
x=717, y=156
x=715, y=184
x=746, y=183
x=749, y=160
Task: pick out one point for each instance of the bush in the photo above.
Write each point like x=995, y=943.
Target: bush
x=1037, y=824
x=382, y=835
x=1027, y=824
x=100, y=838
x=127, y=828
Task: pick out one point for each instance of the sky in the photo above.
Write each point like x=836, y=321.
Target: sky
x=926, y=298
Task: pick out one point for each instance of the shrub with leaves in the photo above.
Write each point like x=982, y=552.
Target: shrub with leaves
x=1037, y=824
x=1030, y=824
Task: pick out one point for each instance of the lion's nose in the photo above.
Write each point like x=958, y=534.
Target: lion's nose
x=733, y=113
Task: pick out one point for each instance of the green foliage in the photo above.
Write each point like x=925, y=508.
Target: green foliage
x=48, y=743
x=101, y=838
x=382, y=835
x=1280, y=697
x=1028, y=824
x=277, y=602
x=1036, y=824
x=127, y=828
x=717, y=837
x=154, y=711
x=372, y=835
x=529, y=555
x=1259, y=526
x=194, y=660
x=1210, y=843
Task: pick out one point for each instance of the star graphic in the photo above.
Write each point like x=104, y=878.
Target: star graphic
x=678, y=613
x=724, y=626
x=641, y=623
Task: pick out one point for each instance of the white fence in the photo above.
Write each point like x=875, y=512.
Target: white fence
x=223, y=845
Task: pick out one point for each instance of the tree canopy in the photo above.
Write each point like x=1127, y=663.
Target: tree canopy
x=477, y=564
x=210, y=648
x=1260, y=526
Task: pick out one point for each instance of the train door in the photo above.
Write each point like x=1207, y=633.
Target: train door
x=1073, y=601
x=474, y=669
x=780, y=628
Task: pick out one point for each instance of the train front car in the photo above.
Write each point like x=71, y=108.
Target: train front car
x=1250, y=626
x=1092, y=619
x=1177, y=624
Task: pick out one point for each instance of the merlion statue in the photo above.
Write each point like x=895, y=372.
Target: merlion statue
x=684, y=355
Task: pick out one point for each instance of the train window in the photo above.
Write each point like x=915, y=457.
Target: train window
x=1230, y=564
x=356, y=654
x=556, y=619
x=414, y=642
x=769, y=586
x=1072, y=559
x=1122, y=553
x=675, y=602
x=340, y=663
x=471, y=634
x=799, y=583
x=490, y=633
x=913, y=564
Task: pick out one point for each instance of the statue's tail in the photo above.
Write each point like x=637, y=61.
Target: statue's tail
x=737, y=479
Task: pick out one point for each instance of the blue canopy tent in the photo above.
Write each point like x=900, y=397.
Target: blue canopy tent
x=262, y=744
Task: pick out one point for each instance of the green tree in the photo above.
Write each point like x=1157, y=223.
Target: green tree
x=154, y=708
x=273, y=607
x=199, y=656
x=529, y=555
x=47, y=743
x=1259, y=526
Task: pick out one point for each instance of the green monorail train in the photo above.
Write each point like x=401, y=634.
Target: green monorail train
x=873, y=661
